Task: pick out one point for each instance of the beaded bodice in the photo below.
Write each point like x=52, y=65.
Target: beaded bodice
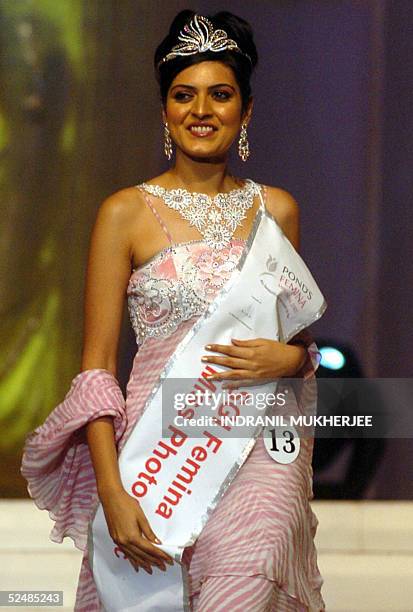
x=180, y=281
x=178, y=284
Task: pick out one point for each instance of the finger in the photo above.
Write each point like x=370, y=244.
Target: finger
x=138, y=566
x=146, y=528
x=228, y=349
x=147, y=568
x=231, y=375
x=136, y=559
x=253, y=342
x=149, y=534
x=147, y=547
x=138, y=546
x=229, y=362
x=140, y=559
x=141, y=556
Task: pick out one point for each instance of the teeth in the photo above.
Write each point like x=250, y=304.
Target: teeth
x=201, y=129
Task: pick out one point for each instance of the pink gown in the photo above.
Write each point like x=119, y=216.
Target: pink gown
x=264, y=526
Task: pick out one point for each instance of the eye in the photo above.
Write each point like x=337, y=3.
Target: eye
x=182, y=95
x=222, y=95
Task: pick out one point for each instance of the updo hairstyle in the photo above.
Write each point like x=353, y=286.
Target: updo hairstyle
x=236, y=28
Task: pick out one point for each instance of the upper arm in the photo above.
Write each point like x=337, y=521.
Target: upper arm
x=285, y=210
x=107, y=276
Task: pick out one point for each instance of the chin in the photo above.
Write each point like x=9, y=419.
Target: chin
x=206, y=156
x=204, y=150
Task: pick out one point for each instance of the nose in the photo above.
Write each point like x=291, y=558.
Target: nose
x=201, y=107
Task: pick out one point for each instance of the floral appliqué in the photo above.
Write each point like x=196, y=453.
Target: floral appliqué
x=176, y=285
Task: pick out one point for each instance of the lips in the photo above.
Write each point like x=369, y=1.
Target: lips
x=201, y=129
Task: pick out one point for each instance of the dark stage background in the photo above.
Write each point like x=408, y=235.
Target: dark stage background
x=80, y=118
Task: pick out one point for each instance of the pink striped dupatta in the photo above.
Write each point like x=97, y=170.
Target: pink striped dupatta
x=56, y=460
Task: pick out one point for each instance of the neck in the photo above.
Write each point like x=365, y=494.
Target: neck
x=204, y=176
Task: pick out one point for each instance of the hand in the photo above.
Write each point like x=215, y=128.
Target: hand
x=255, y=361
x=130, y=530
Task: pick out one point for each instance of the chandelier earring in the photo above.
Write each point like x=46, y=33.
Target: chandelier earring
x=243, y=144
x=167, y=141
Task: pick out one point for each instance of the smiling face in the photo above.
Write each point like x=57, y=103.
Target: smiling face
x=203, y=110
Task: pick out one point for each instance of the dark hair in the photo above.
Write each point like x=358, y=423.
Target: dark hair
x=237, y=28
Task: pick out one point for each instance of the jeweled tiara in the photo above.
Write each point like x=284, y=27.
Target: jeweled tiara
x=199, y=36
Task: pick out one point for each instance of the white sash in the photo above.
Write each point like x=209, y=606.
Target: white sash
x=272, y=294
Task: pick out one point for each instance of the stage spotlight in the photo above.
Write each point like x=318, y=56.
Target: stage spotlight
x=339, y=360
x=332, y=358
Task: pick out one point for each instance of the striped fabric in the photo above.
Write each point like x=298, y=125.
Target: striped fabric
x=256, y=552
x=262, y=529
x=56, y=460
x=246, y=593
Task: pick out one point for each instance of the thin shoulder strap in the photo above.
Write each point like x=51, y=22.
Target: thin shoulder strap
x=263, y=196
x=155, y=212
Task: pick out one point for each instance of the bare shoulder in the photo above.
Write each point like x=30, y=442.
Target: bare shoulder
x=281, y=204
x=122, y=207
x=285, y=210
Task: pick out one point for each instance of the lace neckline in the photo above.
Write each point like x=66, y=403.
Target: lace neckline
x=215, y=217
x=162, y=191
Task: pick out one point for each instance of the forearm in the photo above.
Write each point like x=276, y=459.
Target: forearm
x=304, y=342
x=101, y=440
x=301, y=359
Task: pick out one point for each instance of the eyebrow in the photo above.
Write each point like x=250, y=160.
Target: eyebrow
x=209, y=88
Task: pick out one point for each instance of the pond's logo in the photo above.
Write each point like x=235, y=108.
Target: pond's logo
x=295, y=285
x=285, y=282
x=268, y=279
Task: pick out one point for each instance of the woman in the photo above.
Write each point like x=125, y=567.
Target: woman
x=184, y=234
